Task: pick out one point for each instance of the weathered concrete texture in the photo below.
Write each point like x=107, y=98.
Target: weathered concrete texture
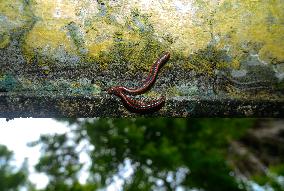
x=105, y=106
x=227, y=56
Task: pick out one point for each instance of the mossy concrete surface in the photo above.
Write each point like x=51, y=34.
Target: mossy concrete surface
x=58, y=57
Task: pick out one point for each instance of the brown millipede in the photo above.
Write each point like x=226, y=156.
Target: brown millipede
x=151, y=78
x=140, y=106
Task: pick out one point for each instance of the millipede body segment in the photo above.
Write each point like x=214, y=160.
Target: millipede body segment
x=138, y=106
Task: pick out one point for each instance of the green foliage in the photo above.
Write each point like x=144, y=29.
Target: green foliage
x=163, y=146
x=60, y=162
x=10, y=179
x=271, y=177
x=164, y=153
x=279, y=169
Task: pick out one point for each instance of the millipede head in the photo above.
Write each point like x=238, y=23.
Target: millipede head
x=166, y=56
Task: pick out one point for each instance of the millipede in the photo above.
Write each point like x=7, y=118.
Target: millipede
x=140, y=106
x=151, y=78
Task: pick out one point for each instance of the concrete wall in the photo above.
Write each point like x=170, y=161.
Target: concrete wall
x=226, y=51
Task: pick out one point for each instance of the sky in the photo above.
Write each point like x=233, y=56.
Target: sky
x=16, y=133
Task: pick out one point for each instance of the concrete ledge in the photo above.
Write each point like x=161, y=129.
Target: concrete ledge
x=108, y=106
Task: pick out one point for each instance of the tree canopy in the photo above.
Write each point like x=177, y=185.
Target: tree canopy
x=164, y=153
x=10, y=177
x=149, y=154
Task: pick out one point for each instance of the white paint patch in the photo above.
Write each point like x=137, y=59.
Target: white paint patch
x=238, y=73
x=184, y=7
x=256, y=56
x=279, y=71
x=57, y=13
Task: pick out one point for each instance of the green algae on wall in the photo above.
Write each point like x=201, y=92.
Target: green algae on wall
x=4, y=40
x=254, y=26
x=182, y=26
x=8, y=83
x=225, y=48
x=14, y=15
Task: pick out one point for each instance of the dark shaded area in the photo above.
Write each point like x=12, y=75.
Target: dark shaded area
x=51, y=104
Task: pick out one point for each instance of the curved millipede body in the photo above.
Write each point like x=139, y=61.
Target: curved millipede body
x=140, y=106
x=151, y=78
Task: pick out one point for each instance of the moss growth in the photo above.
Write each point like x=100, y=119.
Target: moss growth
x=141, y=29
x=76, y=35
x=207, y=61
x=15, y=16
x=239, y=22
x=131, y=45
x=8, y=83
x=4, y=40
x=209, y=37
x=100, y=40
x=44, y=41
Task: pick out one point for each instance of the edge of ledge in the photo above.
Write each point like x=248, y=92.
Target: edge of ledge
x=25, y=105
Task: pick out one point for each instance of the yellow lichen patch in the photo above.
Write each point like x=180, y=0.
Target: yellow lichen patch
x=176, y=19
x=235, y=64
x=129, y=36
x=50, y=32
x=55, y=9
x=273, y=44
x=95, y=49
x=4, y=40
x=44, y=38
x=152, y=94
x=99, y=37
x=179, y=26
x=103, y=37
x=13, y=17
x=172, y=91
x=252, y=22
x=12, y=9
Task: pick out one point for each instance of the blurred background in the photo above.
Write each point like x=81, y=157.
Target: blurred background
x=142, y=154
